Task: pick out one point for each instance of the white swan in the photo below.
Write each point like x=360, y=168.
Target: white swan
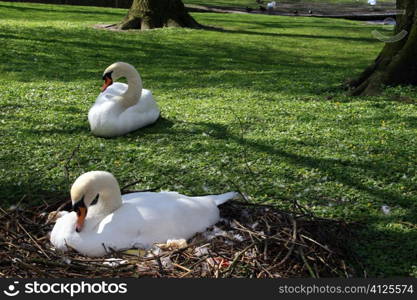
x=103, y=219
x=121, y=108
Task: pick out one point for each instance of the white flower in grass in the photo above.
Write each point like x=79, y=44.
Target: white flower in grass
x=386, y=209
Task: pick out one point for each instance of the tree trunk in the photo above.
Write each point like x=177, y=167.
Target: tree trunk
x=149, y=14
x=397, y=62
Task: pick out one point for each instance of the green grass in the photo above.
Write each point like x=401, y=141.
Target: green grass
x=226, y=3
x=252, y=3
x=264, y=93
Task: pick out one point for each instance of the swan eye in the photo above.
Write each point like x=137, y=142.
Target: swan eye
x=95, y=200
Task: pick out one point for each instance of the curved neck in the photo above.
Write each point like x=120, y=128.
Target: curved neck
x=134, y=89
x=109, y=200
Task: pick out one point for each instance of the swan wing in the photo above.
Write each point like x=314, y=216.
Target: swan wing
x=116, y=89
x=142, y=220
x=144, y=113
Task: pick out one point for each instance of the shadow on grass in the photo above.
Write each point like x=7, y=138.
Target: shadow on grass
x=350, y=173
x=295, y=36
x=68, y=130
x=162, y=125
x=82, y=53
x=384, y=261
x=387, y=251
x=52, y=12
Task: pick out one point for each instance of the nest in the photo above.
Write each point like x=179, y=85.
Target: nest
x=250, y=241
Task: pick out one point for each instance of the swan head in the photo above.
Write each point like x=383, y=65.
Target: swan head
x=97, y=191
x=114, y=72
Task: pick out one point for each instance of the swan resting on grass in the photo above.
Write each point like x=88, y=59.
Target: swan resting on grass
x=121, y=108
x=103, y=219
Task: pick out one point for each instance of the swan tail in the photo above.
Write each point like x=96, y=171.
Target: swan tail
x=222, y=198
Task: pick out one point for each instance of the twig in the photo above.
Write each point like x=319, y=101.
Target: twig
x=130, y=184
x=317, y=243
x=408, y=224
x=237, y=256
x=310, y=270
x=182, y=268
x=294, y=237
x=161, y=268
x=36, y=243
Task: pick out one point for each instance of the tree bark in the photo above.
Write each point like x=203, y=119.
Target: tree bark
x=149, y=14
x=397, y=62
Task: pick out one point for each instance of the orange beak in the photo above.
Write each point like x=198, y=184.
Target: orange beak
x=81, y=213
x=107, y=82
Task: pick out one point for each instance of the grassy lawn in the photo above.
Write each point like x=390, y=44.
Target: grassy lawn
x=252, y=3
x=256, y=107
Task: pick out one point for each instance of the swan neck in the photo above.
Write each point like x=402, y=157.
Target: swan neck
x=134, y=89
x=108, y=202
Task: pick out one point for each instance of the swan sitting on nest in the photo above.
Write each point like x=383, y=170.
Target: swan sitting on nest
x=121, y=108
x=103, y=219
